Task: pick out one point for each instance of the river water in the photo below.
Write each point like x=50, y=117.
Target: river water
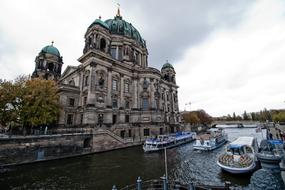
x=122, y=167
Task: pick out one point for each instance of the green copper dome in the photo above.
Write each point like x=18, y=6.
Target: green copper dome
x=167, y=65
x=51, y=50
x=121, y=27
x=100, y=22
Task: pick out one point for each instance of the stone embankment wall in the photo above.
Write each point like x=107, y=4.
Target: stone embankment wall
x=28, y=149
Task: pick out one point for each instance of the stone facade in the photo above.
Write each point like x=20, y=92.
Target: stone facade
x=113, y=87
x=21, y=150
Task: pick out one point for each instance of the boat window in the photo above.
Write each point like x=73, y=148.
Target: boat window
x=248, y=149
x=229, y=150
x=237, y=151
x=241, y=150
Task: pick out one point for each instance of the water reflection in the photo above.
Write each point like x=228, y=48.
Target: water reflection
x=122, y=167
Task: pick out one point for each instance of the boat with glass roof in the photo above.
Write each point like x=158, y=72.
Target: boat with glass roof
x=239, y=156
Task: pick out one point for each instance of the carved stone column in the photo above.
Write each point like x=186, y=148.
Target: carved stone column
x=109, y=90
x=135, y=92
x=117, y=52
x=121, y=104
x=152, y=96
x=91, y=87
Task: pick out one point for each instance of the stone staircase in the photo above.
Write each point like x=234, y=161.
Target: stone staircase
x=108, y=132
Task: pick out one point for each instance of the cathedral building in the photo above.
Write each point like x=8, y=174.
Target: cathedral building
x=113, y=87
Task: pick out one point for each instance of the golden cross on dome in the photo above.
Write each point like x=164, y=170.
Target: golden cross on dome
x=118, y=12
x=52, y=43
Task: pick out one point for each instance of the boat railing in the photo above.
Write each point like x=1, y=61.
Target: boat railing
x=164, y=184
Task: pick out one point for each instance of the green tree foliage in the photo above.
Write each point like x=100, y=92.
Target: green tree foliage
x=234, y=116
x=11, y=95
x=28, y=102
x=265, y=115
x=239, y=118
x=245, y=116
x=253, y=116
x=40, y=103
x=279, y=116
x=229, y=117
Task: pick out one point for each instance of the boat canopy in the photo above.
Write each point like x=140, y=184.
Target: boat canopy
x=243, y=141
x=178, y=133
x=235, y=146
x=275, y=142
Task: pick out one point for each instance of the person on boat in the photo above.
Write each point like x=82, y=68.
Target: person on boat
x=270, y=136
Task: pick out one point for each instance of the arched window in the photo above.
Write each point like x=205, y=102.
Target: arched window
x=102, y=44
x=120, y=54
x=50, y=66
x=145, y=103
x=115, y=85
x=127, y=104
x=86, y=80
x=115, y=103
x=113, y=52
x=127, y=87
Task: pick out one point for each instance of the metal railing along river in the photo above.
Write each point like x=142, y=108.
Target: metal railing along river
x=164, y=184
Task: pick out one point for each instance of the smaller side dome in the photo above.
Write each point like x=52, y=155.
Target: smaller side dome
x=99, y=22
x=51, y=50
x=167, y=65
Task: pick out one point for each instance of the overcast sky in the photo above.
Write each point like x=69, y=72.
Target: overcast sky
x=229, y=55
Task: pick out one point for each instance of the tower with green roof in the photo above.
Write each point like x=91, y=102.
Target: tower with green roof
x=168, y=73
x=48, y=63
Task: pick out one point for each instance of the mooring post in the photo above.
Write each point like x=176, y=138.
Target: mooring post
x=139, y=183
x=191, y=186
x=165, y=186
x=114, y=187
x=270, y=173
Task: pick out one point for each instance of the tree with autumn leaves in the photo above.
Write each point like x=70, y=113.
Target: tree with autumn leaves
x=197, y=117
x=28, y=103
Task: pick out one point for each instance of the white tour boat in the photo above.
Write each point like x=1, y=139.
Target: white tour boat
x=168, y=141
x=214, y=138
x=239, y=156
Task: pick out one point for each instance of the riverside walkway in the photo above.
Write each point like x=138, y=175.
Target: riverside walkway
x=278, y=132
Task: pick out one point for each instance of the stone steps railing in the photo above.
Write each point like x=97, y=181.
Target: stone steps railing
x=110, y=133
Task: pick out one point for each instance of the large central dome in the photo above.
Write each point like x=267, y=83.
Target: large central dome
x=121, y=27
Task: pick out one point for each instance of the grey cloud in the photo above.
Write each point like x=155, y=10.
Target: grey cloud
x=173, y=26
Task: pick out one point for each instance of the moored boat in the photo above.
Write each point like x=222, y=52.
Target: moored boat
x=214, y=138
x=239, y=156
x=168, y=141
